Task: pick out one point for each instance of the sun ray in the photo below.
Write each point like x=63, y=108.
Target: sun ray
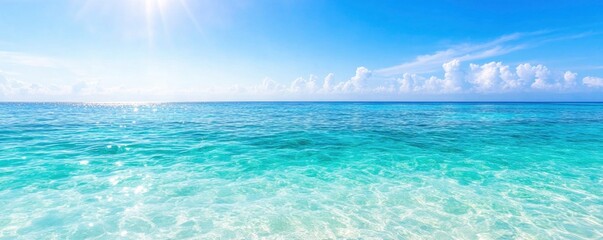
x=189, y=14
x=149, y=20
x=143, y=18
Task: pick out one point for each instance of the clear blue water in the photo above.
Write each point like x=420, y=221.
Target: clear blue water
x=301, y=171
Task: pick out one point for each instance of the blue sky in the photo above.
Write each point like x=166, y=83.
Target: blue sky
x=184, y=50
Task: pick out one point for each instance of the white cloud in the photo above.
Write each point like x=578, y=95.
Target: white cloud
x=327, y=84
x=444, y=72
x=569, y=78
x=494, y=77
x=268, y=85
x=477, y=51
x=356, y=83
x=86, y=88
x=594, y=82
x=486, y=77
x=455, y=78
x=497, y=77
x=452, y=82
x=463, y=52
x=539, y=73
x=14, y=89
x=406, y=82
x=304, y=85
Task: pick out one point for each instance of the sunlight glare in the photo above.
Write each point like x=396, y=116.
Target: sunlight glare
x=144, y=18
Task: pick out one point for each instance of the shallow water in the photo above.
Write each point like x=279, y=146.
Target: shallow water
x=301, y=171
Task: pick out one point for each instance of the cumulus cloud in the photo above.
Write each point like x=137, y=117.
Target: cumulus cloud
x=569, y=79
x=458, y=78
x=16, y=90
x=491, y=77
x=497, y=77
x=452, y=82
x=593, y=82
x=13, y=89
x=327, y=84
x=449, y=71
x=486, y=78
x=455, y=78
x=356, y=83
x=269, y=85
x=306, y=85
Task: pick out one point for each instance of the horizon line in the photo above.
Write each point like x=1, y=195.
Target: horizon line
x=278, y=101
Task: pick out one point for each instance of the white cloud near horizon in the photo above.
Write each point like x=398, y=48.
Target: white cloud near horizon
x=594, y=82
x=457, y=78
x=492, y=77
x=471, y=52
x=446, y=72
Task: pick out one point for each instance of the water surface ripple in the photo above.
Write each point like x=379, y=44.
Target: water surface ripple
x=301, y=171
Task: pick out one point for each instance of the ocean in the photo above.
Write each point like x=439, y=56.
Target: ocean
x=301, y=170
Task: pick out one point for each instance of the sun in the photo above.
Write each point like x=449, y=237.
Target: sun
x=154, y=10
x=142, y=18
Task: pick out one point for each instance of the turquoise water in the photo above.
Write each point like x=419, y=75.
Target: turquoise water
x=301, y=171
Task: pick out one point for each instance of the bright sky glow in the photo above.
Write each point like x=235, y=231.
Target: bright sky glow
x=184, y=50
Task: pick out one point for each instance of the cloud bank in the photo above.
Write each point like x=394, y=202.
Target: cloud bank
x=456, y=78
x=450, y=74
x=492, y=77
